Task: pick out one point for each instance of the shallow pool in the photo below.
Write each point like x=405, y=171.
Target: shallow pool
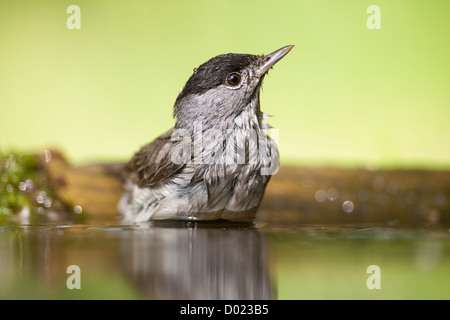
x=222, y=261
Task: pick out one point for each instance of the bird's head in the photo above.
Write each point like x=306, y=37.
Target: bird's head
x=223, y=87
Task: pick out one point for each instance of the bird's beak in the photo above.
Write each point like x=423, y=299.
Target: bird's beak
x=272, y=58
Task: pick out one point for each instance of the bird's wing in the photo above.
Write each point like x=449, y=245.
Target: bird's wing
x=153, y=163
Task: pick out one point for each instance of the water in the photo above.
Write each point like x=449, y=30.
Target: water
x=222, y=261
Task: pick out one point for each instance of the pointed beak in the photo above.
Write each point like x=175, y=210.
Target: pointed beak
x=272, y=58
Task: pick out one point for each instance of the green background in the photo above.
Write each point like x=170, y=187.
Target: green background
x=345, y=95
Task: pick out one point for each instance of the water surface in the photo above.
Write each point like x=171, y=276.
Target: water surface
x=222, y=261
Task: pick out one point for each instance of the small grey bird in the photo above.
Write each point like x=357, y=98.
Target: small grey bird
x=216, y=161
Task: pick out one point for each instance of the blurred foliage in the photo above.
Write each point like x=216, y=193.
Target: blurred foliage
x=15, y=170
x=26, y=194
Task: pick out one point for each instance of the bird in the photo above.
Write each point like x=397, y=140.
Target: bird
x=216, y=161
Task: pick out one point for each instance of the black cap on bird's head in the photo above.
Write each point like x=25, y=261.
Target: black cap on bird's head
x=224, y=85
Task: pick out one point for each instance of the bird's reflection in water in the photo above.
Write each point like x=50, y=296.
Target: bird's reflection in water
x=198, y=261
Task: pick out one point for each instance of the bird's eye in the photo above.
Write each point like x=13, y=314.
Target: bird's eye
x=233, y=79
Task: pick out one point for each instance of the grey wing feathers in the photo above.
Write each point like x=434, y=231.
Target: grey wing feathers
x=153, y=162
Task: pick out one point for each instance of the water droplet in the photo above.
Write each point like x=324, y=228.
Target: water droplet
x=22, y=186
x=320, y=196
x=78, y=209
x=47, y=202
x=30, y=185
x=332, y=194
x=392, y=187
x=348, y=206
x=9, y=188
x=41, y=197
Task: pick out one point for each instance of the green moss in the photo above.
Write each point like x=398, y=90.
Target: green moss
x=25, y=191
